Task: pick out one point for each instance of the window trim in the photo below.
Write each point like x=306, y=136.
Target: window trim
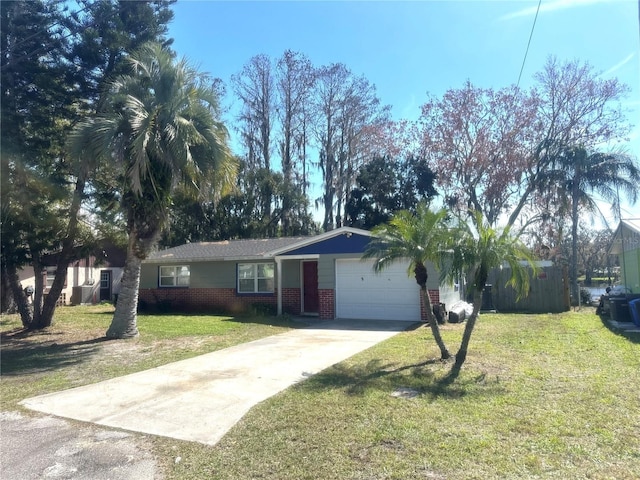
x=175, y=276
x=107, y=281
x=256, y=279
x=50, y=276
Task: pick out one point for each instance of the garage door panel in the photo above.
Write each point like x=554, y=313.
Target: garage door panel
x=389, y=295
x=388, y=312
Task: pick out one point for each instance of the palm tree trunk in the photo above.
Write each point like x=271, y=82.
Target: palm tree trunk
x=461, y=356
x=124, y=323
x=433, y=323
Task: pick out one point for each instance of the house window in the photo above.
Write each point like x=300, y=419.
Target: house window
x=175, y=276
x=51, y=275
x=256, y=277
x=105, y=280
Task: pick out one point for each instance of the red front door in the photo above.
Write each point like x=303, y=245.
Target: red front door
x=310, y=286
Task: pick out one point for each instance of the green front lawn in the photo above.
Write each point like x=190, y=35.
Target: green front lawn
x=541, y=396
x=74, y=350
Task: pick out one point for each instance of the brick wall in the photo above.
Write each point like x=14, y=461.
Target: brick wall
x=326, y=307
x=215, y=299
x=291, y=301
x=434, y=298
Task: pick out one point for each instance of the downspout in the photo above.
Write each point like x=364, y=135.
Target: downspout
x=279, y=276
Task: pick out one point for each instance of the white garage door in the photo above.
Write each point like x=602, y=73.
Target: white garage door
x=388, y=295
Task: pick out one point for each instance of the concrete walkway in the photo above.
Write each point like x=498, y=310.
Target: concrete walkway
x=201, y=398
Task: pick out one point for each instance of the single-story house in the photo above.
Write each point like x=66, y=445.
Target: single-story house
x=89, y=280
x=626, y=245
x=321, y=275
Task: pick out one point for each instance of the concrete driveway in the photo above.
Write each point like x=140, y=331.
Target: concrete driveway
x=201, y=398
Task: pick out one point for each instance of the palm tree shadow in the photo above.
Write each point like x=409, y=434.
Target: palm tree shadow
x=21, y=356
x=423, y=379
x=450, y=378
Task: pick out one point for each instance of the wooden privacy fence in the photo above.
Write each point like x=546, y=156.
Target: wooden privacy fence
x=548, y=293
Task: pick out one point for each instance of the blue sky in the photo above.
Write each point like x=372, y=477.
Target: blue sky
x=411, y=48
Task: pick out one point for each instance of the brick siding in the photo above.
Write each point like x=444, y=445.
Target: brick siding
x=434, y=297
x=326, y=307
x=215, y=299
x=291, y=301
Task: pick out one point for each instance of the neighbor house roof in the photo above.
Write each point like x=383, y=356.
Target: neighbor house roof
x=631, y=235
x=224, y=250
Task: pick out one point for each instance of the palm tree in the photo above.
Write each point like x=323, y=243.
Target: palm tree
x=418, y=237
x=578, y=175
x=159, y=127
x=475, y=249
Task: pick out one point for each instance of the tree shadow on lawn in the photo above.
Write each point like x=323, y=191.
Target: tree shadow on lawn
x=226, y=316
x=424, y=378
x=274, y=321
x=20, y=355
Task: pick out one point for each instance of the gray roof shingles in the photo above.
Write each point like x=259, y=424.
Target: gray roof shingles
x=228, y=249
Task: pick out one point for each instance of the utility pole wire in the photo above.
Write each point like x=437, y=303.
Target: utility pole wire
x=23, y=56
x=529, y=42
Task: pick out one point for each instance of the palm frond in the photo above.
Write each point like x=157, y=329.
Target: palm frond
x=160, y=122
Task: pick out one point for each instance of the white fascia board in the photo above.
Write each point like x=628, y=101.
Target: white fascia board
x=632, y=224
x=310, y=256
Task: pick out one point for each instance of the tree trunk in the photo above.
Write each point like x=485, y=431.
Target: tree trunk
x=461, y=356
x=433, y=323
x=125, y=319
x=7, y=302
x=43, y=312
x=24, y=309
x=40, y=285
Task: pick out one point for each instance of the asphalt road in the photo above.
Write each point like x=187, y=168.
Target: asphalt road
x=45, y=447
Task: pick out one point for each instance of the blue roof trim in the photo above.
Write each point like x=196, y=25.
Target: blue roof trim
x=344, y=243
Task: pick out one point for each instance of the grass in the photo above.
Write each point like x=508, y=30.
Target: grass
x=541, y=396
x=75, y=351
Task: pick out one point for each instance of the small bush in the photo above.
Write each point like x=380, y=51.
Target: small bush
x=263, y=310
x=585, y=296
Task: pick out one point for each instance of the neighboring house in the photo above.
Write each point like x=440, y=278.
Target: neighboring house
x=626, y=245
x=89, y=280
x=322, y=275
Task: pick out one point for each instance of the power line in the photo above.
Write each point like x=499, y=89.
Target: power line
x=49, y=27
x=529, y=43
x=74, y=15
